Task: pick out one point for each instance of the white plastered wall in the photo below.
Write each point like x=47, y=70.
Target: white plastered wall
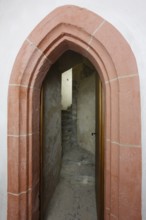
x=18, y=18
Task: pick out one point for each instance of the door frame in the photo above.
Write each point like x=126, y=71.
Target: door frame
x=63, y=29
x=100, y=149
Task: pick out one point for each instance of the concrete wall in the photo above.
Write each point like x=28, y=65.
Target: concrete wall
x=51, y=135
x=18, y=18
x=86, y=113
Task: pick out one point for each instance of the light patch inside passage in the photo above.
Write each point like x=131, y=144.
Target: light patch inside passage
x=66, y=89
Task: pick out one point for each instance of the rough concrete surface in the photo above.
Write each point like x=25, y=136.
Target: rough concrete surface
x=74, y=198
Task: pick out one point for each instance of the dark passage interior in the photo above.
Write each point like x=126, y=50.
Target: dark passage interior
x=69, y=135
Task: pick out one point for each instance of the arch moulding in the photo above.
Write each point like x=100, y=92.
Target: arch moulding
x=77, y=29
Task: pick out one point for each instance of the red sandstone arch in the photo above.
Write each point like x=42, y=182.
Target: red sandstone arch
x=80, y=30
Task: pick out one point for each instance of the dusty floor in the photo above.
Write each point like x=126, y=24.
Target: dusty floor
x=74, y=198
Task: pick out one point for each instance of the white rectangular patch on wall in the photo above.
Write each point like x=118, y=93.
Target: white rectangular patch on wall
x=66, y=89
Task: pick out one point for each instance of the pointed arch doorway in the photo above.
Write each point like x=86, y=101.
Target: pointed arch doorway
x=72, y=141
x=67, y=28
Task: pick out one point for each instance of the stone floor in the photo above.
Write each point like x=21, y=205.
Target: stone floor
x=74, y=198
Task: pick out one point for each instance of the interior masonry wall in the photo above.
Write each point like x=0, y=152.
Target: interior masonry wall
x=51, y=136
x=17, y=20
x=85, y=99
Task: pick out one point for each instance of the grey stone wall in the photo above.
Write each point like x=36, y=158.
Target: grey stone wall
x=51, y=134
